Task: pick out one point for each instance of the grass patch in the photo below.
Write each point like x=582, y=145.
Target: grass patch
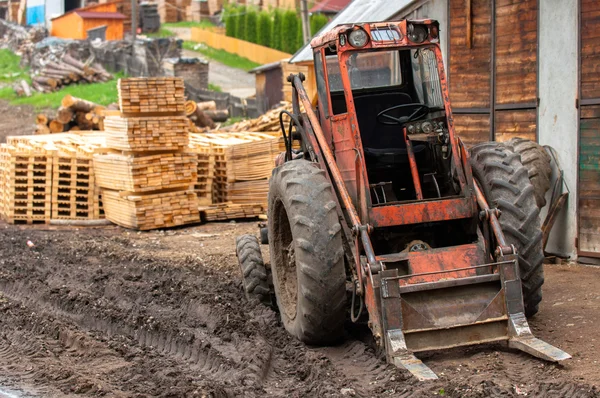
x=162, y=32
x=222, y=56
x=189, y=24
x=10, y=70
x=232, y=120
x=101, y=93
x=214, y=87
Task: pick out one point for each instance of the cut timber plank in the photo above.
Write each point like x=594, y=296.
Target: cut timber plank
x=157, y=133
x=151, y=211
x=146, y=173
x=230, y=211
x=151, y=95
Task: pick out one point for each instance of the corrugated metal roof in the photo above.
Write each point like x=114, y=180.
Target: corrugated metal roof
x=358, y=11
x=332, y=6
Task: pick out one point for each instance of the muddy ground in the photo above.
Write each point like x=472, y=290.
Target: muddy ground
x=16, y=120
x=115, y=313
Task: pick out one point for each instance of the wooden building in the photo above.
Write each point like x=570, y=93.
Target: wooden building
x=520, y=68
x=77, y=23
x=272, y=86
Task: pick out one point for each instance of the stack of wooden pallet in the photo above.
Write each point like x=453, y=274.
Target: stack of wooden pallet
x=46, y=177
x=149, y=183
x=235, y=193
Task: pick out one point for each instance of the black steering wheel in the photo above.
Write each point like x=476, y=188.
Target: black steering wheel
x=420, y=110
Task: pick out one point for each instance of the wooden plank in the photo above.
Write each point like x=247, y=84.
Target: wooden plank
x=516, y=51
x=515, y=123
x=470, y=68
x=472, y=129
x=589, y=180
x=590, y=50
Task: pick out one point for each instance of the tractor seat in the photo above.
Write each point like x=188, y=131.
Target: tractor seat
x=388, y=157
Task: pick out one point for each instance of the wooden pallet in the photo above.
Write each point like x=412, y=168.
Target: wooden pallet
x=74, y=192
x=151, y=211
x=139, y=173
x=157, y=133
x=138, y=95
x=230, y=211
x=26, y=185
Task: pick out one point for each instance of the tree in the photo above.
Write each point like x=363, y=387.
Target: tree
x=251, y=33
x=230, y=18
x=317, y=21
x=277, y=31
x=240, y=26
x=265, y=29
x=289, y=32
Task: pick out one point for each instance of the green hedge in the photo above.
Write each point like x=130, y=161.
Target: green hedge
x=265, y=29
x=281, y=30
x=251, y=33
x=276, y=31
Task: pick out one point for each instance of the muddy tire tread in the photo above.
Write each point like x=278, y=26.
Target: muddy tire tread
x=537, y=162
x=506, y=185
x=254, y=274
x=309, y=201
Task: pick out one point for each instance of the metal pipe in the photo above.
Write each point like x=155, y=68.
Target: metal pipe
x=413, y=166
x=332, y=165
x=493, y=219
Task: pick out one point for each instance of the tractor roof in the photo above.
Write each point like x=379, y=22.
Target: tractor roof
x=333, y=34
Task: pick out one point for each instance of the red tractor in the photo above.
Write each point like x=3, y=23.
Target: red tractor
x=377, y=204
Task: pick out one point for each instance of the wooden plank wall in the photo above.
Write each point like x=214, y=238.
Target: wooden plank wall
x=516, y=68
x=590, y=49
x=589, y=135
x=470, y=68
x=589, y=180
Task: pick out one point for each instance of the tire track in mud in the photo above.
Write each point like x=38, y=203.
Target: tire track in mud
x=221, y=364
x=101, y=312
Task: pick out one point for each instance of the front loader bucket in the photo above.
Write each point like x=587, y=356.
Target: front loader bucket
x=453, y=307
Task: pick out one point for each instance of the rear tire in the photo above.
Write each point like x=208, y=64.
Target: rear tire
x=254, y=274
x=537, y=162
x=307, y=255
x=505, y=184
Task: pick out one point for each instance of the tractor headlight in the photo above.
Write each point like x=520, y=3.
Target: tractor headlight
x=417, y=33
x=358, y=38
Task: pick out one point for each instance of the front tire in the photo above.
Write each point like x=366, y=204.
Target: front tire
x=255, y=279
x=307, y=255
x=506, y=185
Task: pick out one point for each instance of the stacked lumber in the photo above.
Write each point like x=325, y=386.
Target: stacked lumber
x=146, y=173
x=151, y=95
x=146, y=133
x=206, y=168
x=236, y=193
x=150, y=211
x=167, y=9
x=150, y=183
x=46, y=177
x=230, y=211
x=68, y=70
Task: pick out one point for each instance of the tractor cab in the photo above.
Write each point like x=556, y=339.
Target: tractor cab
x=381, y=82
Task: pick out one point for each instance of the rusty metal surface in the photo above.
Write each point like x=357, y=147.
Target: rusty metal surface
x=419, y=212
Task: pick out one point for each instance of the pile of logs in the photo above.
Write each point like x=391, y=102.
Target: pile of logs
x=73, y=114
x=203, y=115
x=269, y=122
x=68, y=70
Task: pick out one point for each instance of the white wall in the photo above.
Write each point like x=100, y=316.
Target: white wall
x=54, y=8
x=558, y=88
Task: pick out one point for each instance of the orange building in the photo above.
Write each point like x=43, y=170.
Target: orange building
x=76, y=24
